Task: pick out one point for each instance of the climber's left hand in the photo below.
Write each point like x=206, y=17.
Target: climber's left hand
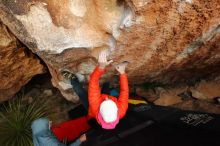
x=103, y=62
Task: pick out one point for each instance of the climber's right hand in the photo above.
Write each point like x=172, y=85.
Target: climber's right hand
x=121, y=67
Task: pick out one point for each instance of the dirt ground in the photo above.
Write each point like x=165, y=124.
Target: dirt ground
x=41, y=87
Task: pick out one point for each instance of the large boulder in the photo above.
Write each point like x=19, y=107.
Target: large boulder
x=165, y=41
x=206, y=90
x=17, y=66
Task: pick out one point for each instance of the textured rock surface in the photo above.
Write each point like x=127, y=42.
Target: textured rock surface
x=201, y=98
x=198, y=105
x=169, y=97
x=17, y=65
x=164, y=40
x=206, y=90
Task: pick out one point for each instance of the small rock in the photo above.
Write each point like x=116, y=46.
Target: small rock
x=169, y=97
x=167, y=100
x=30, y=100
x=48, y=92
x=34, y=92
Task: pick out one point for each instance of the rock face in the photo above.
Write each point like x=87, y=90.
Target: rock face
x=206, y=90
x=17, y=64
x=196, y=98
x=165, y=41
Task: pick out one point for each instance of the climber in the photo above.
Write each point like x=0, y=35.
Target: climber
x=42, y=135
x=106, y=109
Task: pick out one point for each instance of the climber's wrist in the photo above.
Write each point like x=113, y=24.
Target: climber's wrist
x=122, y=72
x=102, y=66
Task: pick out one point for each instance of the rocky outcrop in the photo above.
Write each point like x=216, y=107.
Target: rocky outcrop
x=199, y=105
x=206, y=90
x=201, y=97
x=17, y=64
x=165, y=41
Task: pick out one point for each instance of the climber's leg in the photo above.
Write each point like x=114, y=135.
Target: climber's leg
x=77, y=87
x=81, y=92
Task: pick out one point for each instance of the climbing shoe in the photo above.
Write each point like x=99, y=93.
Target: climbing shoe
x=68, y=75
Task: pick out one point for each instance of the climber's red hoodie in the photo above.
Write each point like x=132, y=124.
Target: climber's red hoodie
x=95, y=97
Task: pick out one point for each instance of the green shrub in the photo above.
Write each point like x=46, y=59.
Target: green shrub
x=16, y=117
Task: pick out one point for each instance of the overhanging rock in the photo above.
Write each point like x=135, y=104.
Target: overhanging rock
x=165, y=41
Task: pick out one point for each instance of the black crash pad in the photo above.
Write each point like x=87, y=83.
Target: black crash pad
x=153, y=125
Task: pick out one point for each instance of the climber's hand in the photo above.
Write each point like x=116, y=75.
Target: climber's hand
x=121, y=67
x=103, y=59
x=82, y=138
x=50, y=124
